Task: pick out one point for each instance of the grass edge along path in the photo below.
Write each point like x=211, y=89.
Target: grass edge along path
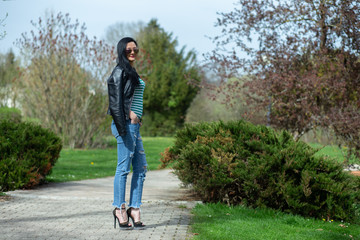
x=220, y=222
x=81, y=164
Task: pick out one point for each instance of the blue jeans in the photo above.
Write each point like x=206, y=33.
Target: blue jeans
x=130, y=151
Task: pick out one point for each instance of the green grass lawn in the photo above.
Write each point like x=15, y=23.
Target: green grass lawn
x=78, y=164
x=220, y=222
x=334, y=151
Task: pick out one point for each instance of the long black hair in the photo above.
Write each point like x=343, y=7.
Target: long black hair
x=123, y=62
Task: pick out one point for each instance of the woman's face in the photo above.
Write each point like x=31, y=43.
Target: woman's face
x=131, y=52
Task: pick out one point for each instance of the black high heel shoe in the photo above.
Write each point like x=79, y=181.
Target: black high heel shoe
x=124, y=225
x=137, y=225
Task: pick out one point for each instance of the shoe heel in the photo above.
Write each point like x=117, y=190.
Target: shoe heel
x=114, y=218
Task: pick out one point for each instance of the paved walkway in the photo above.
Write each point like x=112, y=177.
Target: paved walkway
x=82, y=210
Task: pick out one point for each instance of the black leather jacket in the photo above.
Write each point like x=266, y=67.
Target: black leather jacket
x=121, y=93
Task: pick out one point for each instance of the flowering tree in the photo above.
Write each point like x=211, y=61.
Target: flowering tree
x=64, y=82
x=303, y=66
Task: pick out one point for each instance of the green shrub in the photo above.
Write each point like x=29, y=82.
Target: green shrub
x=28, y=153
x=240, y=163
x=159, y=125
x=11, y=114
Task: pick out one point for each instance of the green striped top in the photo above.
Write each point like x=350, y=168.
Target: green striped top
x=137, y=102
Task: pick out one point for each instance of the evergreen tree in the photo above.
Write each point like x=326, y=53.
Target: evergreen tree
x=167, y=95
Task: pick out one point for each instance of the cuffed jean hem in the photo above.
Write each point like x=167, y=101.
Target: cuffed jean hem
x=135, y=206
x=120, y=205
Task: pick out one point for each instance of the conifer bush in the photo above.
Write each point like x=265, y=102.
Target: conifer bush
x=28, y=153
x=241, y=163
x=11, y=114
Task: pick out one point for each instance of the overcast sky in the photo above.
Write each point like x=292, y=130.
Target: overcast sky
x=190, y=21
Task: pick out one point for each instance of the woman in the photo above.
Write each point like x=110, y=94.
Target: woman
x=125, y=89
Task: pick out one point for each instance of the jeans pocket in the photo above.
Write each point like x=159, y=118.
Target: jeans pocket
x=133, y=127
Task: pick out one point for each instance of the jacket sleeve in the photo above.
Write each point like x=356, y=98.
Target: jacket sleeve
x=116, y=100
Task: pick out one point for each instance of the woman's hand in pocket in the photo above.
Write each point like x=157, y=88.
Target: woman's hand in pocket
x=134, y=118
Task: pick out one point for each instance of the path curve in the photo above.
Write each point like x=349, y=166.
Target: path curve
x=82, y=210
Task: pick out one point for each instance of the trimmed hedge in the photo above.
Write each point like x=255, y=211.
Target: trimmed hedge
x=28, y=153
x=240, y=163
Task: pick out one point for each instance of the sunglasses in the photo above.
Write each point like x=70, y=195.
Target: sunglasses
x=128, y=51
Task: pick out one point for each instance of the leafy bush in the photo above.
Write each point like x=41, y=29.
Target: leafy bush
x=28, y=153
x=241, y=163
x=11, y=114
